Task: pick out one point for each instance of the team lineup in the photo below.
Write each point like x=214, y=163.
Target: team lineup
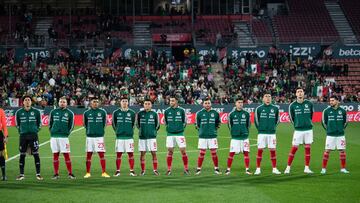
x=266, y=119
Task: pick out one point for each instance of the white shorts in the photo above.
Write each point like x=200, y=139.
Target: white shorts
x=334, y=143
x=148, y=145
x=266, y=140
x=172, y=141
x=122, y=145
x=239, y=146
x=61, y=145
x=95, y=144
x=302, y=137
x=210, y=143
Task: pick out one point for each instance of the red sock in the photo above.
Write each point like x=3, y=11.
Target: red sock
x=201, y=157
x=56, y=162
x=273, y=157
x=230, y=159
x=307, y=154
x=185, y=161
x=102, y=161
x=68, y=162
x=131, y=160
x=259, y=158
x=215, y=158
x=246, y=159
x=292, y=154
x=142, y=163
x=88, y=161
x=118, y=160
x=343, y=159
x=155, y=163
x=169, y=159
x=325, y=159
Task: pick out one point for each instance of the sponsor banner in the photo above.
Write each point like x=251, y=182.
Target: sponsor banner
x=301, y=50
x=262, y=52
x=178, y=37
x=345, y=52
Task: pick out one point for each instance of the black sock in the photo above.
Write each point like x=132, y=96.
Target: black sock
x=37, y=163
x=2, y=165
x=22, y=163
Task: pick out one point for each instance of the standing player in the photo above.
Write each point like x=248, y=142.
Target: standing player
x=94, y=123
x=334, y=122
x=239, y=125
x=61, y=123
x=207, y=122
x=266, y=121
x=175, y=120
x=301, y=113
x=123, y=125
x=3, y=141
x=148, y=123
x=28, y=122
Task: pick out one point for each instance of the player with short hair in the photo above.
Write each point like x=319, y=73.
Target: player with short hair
x=3, y=141
x=175, y=120
x=239, y=125
x=28, y=122
x=61, y=123
x=266, y=120
x=207, y=122
x=301, y=112
x=148, y=123
x=94, y=123
x=123, y=124
x=334, y=121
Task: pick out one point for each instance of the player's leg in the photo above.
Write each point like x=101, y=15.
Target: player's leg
x=272, y=147
x=341, y=146
x=119, y=148
x=246, y=150
x=142, y=150
x=129, y=148
x=295, y=145
x=2, y=156
x=261, y=143
x=23, y=145
x=234, y=148
x=330, y=144
x=308, y=140
x=90, y=147
x=54, y=145
x=100, y=149
x=152, y=146
x=181, y=142
x=34, y=146
x=170, y=144
x=202, y=146
x=326, y=156
x=65, y=150
x=213, y=146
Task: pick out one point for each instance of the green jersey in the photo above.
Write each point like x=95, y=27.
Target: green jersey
x=301, y=115
x=95, y=122
x=28, y=122
x=148, y=123
x=239, y=124
x=175, y=120
x=334, y=121
x=207, y=122
x=61, y=122
x=267, y=118
x=123, y=121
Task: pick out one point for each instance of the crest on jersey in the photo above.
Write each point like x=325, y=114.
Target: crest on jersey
x=178, y=113
x=340, y=112
x=99, y=114
x=32, y=113
x=306, y=106
x=66, y=114
x=212, y=115
x=128, y=114
x=151, y=116
x=272, y=110
x=243, y=116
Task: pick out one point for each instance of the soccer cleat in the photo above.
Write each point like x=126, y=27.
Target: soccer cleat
x=55, y=177
x=117, y=174
x=198, y=171
x=217, y=171
x=39, y=177
x=323, y=171
x=132, y=173
x=168, y=173
x=247, y=171
x=227, y=172
x=4, y=178
x=156, y=173
x=276, y=171
x=343, y=170
x=257, y=171
x=105, y=175
x=20, y=177
x=71, y=176
x=287, y=170
x=142, y=173
x=87, y=175
x=307, y=170
x=186, y=172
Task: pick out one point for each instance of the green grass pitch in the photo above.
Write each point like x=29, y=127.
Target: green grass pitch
x=238, y=187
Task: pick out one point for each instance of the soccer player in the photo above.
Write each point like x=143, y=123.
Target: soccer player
x=334, y=122
x=94, y=123
x=301, y=113
x=61, y=123
x=239, y=125
x=28, y=122
x=207, y=122
x=3, y=141
x=175, y=120
x=266, y=120
x=148, y=123
x=123, y=124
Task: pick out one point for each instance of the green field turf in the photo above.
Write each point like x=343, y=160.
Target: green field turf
x=238, y=187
